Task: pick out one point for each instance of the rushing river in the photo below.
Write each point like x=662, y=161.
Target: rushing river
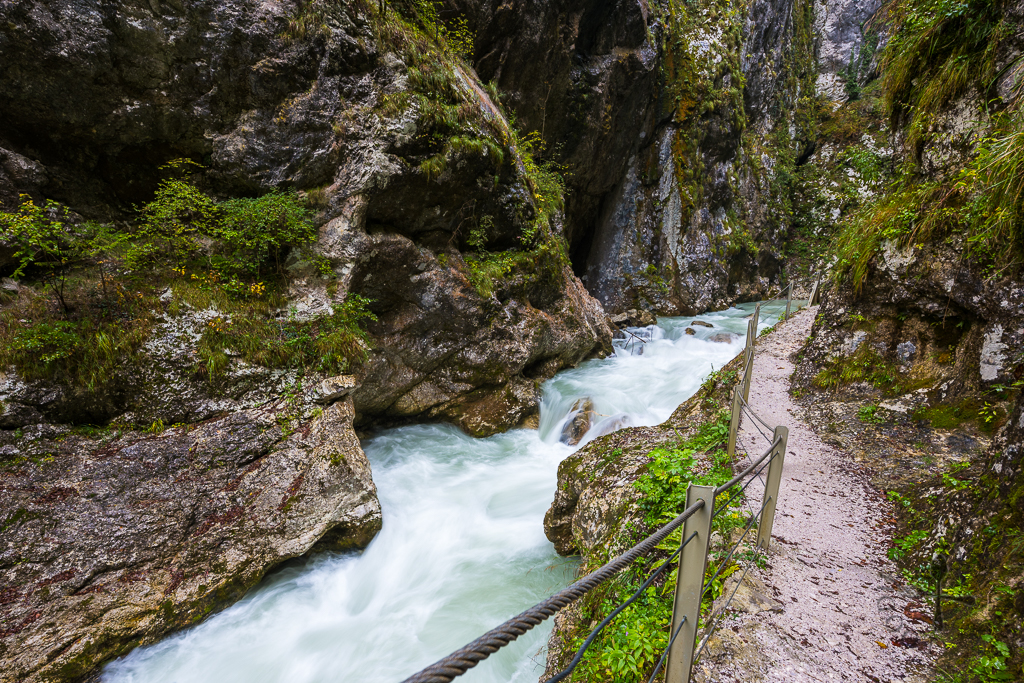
x=462, y=547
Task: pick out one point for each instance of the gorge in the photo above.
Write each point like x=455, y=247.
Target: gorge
x=244, y=241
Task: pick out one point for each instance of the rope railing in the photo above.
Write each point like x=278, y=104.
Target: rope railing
x=691, y=589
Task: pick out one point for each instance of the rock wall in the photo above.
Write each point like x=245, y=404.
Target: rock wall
x=112, y=538
x=325, y=98
x=918, y=345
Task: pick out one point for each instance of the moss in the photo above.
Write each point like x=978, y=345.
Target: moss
x=17, y=517
x=971, y=410
x=330, y=343
x=863, y=365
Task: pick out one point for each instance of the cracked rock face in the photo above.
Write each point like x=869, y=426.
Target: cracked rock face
x=111, y=541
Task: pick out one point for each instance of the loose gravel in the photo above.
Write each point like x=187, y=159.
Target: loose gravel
x=844, y=614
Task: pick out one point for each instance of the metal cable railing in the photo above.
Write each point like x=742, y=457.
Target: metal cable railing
x=597, y=630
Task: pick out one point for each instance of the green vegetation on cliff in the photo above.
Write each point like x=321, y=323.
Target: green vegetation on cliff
x=104, y=286
x=942, y=50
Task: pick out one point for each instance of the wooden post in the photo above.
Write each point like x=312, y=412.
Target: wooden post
x=690, y=585
x=813, y=300
x=789, y=299
x=734, y=422
x=771, y=487
x=748, y=371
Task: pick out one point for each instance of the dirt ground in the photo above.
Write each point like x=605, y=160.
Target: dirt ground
x=829, y=605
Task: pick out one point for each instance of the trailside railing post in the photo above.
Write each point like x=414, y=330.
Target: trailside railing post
x=757, y=318
x=789, y=299
x=813, y=300
x=690, y=585
x=734, y=422
x=748, y=371
x=771, y=487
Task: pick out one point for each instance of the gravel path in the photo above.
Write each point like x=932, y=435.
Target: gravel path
x=829, y=607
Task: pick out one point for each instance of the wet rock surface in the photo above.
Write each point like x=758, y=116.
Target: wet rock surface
x=582, y=417
x=112, y=538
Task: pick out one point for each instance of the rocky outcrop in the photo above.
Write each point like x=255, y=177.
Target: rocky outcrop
x=442, y=351
x=114, y=537
x=581, y=417
x=927, y=319
x=339, y=101
x=596, y=512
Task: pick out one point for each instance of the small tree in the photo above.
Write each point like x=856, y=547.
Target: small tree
x=43, y=238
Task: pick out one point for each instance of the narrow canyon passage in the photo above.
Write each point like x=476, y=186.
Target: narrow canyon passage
x=842, y=609
x=462, y=546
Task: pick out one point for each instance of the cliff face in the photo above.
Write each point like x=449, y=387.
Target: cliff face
x=331, y=100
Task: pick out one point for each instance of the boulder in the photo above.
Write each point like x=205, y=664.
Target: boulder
x=640, y=318
x=690, y=331
x=575, y=429
x=722, y=337
x=114, y=539
x=751, y=595
x=333, y=388
x=701, y=323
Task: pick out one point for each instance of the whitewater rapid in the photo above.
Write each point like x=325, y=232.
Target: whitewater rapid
x=462, y=547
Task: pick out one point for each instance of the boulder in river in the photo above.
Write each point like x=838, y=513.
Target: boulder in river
x=582, y=417
x=690, y=331
x=113, y=539
x=722, y=337
x=701, y=323
x=640, y=318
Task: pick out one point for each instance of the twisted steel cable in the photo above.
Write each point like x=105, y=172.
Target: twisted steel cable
x=755, y=415
x=607, y=620
x=715, y=619
x=735, y=480
x=732, y=550
x=760, y=431
x=722, y=508
x=465, y=658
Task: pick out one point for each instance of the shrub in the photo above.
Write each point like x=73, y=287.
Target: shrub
x=44, y=239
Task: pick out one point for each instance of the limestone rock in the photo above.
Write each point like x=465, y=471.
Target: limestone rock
x=690, y=331
x=114, y=540
x=575, y=429
x=640, y=318
x=333, y=388
x=701, y=323
x=722, y=337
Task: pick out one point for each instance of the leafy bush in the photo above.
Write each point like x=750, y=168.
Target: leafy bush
x=44, y=239
x=258, y=232
x=627, y=650
x=236, y=239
